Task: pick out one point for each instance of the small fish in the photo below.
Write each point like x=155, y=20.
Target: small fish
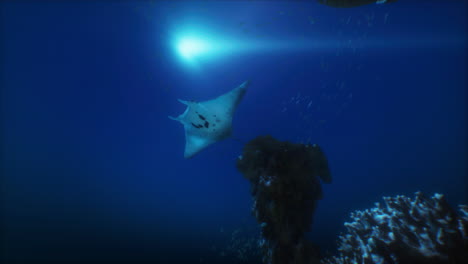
x=311, y=20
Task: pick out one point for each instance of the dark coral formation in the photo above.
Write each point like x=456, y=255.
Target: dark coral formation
x=285, y=190
x=406, y=230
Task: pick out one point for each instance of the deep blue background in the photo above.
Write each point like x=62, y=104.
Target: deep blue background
x=93, y=170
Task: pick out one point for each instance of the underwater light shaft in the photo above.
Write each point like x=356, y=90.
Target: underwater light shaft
x=190, y=47
x=193, y=48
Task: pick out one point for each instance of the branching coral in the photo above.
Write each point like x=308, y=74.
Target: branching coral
x=285, y=189
x=405, y=230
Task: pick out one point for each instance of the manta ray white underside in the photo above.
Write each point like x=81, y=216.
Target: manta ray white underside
x=209, y=121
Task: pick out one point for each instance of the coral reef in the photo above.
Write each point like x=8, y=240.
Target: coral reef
x=405, y=230
x=285, y=190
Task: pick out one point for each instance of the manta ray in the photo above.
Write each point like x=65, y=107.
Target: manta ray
x=209, y=121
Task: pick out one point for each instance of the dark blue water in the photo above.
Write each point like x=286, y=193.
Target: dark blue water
x=93, y=170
